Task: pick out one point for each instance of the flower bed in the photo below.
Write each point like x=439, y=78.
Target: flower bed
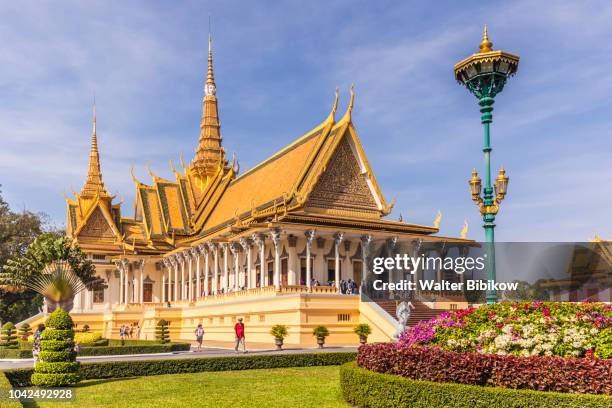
x=576, y=375
x=525, y=329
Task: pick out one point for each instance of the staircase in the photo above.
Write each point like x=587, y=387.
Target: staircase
x=421, y=311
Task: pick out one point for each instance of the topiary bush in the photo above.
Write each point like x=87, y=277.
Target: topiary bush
x=85, y=328
x=86, y=338
x=8, y=338
x=520, y=328
x=161, y=332
x=57, y=366
x=25, y=331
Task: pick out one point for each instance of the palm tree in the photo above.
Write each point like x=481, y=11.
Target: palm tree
x=55, y=267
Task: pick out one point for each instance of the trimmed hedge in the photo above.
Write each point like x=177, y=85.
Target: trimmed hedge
x=137, y=349
x=12, y=353
x=5, y=387
x=576, y=375
x=364, y=388
x=122, y=369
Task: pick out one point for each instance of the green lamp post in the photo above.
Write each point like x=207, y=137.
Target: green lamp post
x=484, y=74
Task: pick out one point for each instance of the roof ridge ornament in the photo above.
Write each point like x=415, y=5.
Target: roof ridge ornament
x=332, y=114
x=485, y=44
x=348, y=115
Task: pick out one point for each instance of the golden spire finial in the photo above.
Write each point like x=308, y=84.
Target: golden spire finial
x=485, y=44
x=210, y=88
x=94, y=183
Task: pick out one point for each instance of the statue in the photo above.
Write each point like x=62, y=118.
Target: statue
x=403, y=315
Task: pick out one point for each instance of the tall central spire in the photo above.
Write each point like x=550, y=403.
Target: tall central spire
x=209, y=153
x=94, y=183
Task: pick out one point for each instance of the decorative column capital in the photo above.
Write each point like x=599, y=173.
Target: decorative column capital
x=275, y=234
x=235, y=247
x=391, y=242
x=202, y=249
x=310, y=234
x=338, y=237
x=212, y=246
x=125, y=263
x=259, y=239
x=166, y=262
x=141, y=263
x=245, y=243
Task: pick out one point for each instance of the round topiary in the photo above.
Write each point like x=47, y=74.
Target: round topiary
x=8, y=338
x=85, y=328
x=58, y=366
x=161, y=332
x=24, y=331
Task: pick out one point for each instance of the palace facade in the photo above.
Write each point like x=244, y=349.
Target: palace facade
x=272, y=244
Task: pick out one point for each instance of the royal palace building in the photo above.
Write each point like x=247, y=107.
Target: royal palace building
x=279, y=243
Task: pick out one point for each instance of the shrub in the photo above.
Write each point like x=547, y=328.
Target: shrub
x=136, y=349
x=85, y=328
x=526, y=329
x=161, y=332
x=25, y=331
x=320, y=331
x=279, y=331
x=60, y=320
x=603, y=349
x=538, y=373
x=58, y=366
x=87, y=337
x=362, y=330
x=8, y=338
x=122, y=369
x=5, y=388
x=364, y=388
x=15, y=353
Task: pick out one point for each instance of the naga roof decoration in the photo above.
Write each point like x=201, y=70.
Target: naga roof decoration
x=322, y=178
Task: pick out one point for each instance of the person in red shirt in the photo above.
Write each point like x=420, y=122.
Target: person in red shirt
x=239, y=331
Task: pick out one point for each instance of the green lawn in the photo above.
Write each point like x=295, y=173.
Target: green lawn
x=281, y=387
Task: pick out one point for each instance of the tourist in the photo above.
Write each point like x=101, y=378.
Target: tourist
x=36, y=342
x=122, y=333
x=137, y=331
x=343, y=287
x=239, y=331
x=130, y=330
x=199, y=333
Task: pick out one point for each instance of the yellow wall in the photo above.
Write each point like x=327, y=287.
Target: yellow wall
x=300, y=312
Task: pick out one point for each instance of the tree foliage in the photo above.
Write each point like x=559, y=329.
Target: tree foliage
x=17, y=231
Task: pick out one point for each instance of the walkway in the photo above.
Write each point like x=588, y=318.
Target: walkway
x=204, y=353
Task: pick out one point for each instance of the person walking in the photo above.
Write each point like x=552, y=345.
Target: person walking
x=36, y=342
x=199, y=333
x=131, y=330
x=138, y=331
x=122, y=333
x=239, y=331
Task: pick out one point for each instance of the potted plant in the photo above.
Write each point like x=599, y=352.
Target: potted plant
x=279, y=332
x=320, y=332
x=85, y=328
x=363, y=330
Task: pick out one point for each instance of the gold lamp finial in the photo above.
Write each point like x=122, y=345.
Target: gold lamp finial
x=485, y=44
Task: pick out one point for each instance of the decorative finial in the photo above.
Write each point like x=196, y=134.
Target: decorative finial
x=485, y=44
x=210, y=89
x=437, y=220
x=464, y=230
x=352, y=100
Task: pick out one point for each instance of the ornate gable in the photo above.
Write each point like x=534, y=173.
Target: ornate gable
x=342, y=187
x=97, y=226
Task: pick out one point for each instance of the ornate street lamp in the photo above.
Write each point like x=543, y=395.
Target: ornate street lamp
x=484, y=74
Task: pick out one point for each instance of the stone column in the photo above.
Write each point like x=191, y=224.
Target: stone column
x=310, y=234
x=125, y=263
x=195, y=253
x=260, y=240
x=121, y=280
x=181, y=258
x=235, y=248
x=246, y=246
x=337, y=240
x=189, y=259
x=224, y=247
x=204, y=251
x=365, y=246
x=174, y=260
x=141, y=282
x=215, y=250
x=294, y=274
x=165, y=267
x=276, y=237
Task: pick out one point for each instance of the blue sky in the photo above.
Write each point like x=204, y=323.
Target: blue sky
x=277, y=65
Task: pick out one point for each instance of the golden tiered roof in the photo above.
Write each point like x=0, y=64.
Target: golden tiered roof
x=321, y=178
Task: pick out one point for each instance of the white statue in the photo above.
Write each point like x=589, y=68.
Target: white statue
x=403, y=315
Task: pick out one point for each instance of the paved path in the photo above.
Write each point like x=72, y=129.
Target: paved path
x=205, y=352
